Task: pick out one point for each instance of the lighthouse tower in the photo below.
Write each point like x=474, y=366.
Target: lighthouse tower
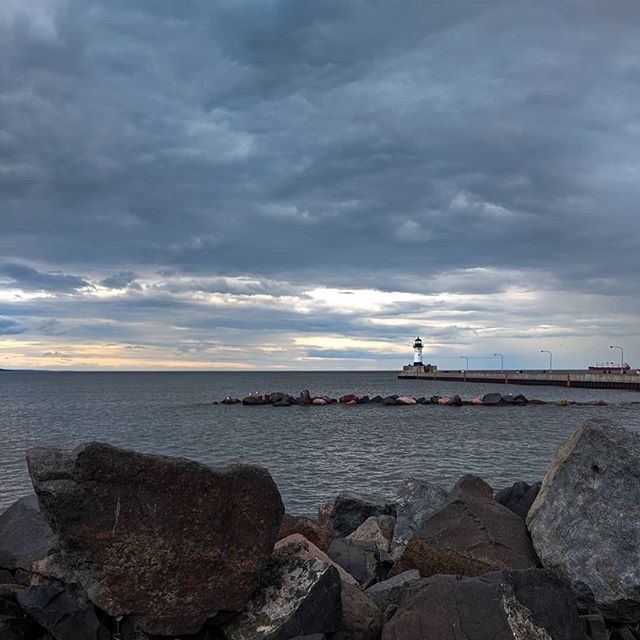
x=417, y=352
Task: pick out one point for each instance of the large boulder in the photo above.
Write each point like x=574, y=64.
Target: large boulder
x=415, y=502
x=165, y=540
x=296, y=597
x=16, y=624
x=519, y=497
x=24, y=535
x=470, y=534
x=505, y=605
x=351, y=509
x=585, y=522
x=361, y=618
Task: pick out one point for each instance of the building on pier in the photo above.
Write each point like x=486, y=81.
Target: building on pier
x=418, y=366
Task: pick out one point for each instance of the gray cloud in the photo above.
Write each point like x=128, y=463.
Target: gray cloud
x=183, y=150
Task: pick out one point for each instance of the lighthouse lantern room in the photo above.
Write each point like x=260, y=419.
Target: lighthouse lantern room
x=417, y=351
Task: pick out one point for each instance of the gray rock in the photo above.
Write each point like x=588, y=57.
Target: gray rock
x=492, y=399
x=65, y=617
x=387, y=592
x=415, y=502
x=24, y=535
x=15, y=624
x=585, y=522
x=519, y=497
x=351, y=509
x=523, y=605
x=377, y=530
x=361, y=618
x=296, y=597
x=166, y=540
x=359, y=559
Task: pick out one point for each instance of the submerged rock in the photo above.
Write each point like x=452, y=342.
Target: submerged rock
x=166, y=540
x=470, y=534
x=24, y=535
x=296, y=597
x=351, y=509
x=523, y=605
x=585, y=522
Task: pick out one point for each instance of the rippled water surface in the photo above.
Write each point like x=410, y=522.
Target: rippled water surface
x=312, y=452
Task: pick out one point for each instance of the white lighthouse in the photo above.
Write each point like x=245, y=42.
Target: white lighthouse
x=417, y=352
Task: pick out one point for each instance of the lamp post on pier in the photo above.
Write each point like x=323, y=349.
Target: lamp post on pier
x=615, y=346
x=467, y=359
x=499, y=355
x=550, y=358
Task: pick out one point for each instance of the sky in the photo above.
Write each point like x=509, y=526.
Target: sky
x=287, y=184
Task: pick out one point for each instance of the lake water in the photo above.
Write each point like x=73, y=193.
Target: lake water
x=312, y=452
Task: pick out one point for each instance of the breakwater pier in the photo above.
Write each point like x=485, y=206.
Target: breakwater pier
x=582, y=379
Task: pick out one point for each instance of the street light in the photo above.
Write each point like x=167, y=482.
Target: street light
x=499, y=355
x=467, y=359
x=550, y=358
x=615, y=346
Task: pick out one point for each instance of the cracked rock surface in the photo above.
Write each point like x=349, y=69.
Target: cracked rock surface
x=165, y=540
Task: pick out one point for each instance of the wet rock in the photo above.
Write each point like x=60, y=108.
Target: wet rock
x=386, y=593
x=364, y=400
x=278, y=396
x=310, y=529
x=166, y=540
x=361, y=618
x=351, y=509
x=390, y=401
x=305, y=397
x=491, y=399
x=348, y=397
x=422, y=400
x=585, y=522
x=470, y=534
x=455, y=401
x=377, y=399
x=519, y=497
x=518, y=399
x=253, y=400
x=406, y=400
x=63, y=615
x=532, y=605
x=24, y=535
x=376, y=530
x=296, y=597
x=415, y=502
x=282, y=403
x=359, y=559
x=319, y=401
x=230, y=400
x=297, y=545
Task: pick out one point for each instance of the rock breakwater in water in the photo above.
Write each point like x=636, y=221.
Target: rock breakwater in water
x=280, y=399
x=120, y=545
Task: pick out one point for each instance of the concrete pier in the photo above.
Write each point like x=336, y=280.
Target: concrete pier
x=584, y=379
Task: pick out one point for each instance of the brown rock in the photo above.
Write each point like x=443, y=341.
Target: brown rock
x=376, y=530
x=310, y=529
x=470, y=535
x=361, y=619
x=348, y=397
x=166, y=540
x=297, y=545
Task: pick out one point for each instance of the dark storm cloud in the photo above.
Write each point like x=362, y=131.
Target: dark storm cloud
x=266, y=148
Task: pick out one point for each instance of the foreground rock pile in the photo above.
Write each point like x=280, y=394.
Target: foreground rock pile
x=120, y=545
x=305, y=398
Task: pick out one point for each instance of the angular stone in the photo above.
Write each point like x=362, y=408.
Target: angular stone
x=296, y=597
x=65, y=617
x=585, y=522
x=386, y=593
x=359, y=559
x=376, y=530
x=415, y=502
x=310, y=529
x=361, y=619
x=15, y=624
x=351, y=509
x=519, y=497
x=305, y=397
x=299, y=546
x=492, y=399
x=24, y=535
x=470, y=535
x=406, y=400
x=166, y=540
x=523, y=605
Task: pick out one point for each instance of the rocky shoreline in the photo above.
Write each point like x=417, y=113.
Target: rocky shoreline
x=280, y=399
x=119, y=545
